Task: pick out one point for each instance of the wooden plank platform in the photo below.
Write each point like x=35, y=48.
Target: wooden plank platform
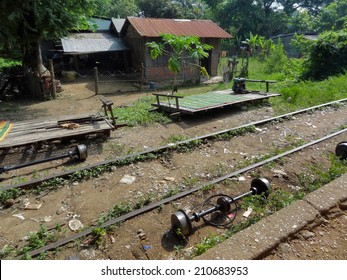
x=42, y=131
x=206, y=101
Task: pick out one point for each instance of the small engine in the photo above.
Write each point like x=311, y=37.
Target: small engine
x=239, y=85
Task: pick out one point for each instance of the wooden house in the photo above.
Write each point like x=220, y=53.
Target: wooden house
x=120, y=44
x=137, y=32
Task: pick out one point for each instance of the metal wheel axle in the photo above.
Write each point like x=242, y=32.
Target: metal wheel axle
x=341, y=150
x=80, y=152
x=220, y=213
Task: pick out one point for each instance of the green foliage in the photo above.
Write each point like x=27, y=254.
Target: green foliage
x=180, y=48
x=115, y=8
x=327, y=56
x=6, y=251
x=25, y=24
x=304, y=94
x=10, y=194
x=38, y=239
x=332, y=16
x=176, y=138
x=317, y=176
x=116, y=211
x=8, y=63
x=33, y=20
x=144, y=200
x=138, y=113
x=207, y=243
x=277, y=59
x=160, y=9
x=172, y=190
x=98, y=236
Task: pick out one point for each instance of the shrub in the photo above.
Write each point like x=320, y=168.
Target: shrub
x=277, y=60
x=327, y=56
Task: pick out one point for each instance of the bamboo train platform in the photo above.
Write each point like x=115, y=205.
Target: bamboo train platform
x=178, y=105
x=43, y=131
x=79, y=127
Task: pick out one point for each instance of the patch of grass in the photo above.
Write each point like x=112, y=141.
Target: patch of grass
x=176, y=138
x=189, y=146
x=116, y=211
x=144, y=200
x=138, y=113
x=6, y=251
x=207, y=243
x=208, y=187
x=172, y=190
x=218, y=170
x=236, y=132
x=317, y=175
x=190, y=181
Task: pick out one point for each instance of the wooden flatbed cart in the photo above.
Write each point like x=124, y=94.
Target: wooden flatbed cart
x=63, y=129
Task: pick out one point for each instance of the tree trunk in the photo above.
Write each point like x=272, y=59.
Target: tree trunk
x=33, y=84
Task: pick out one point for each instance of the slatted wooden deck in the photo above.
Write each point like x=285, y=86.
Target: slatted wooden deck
x=206, y=101
x=42, y=131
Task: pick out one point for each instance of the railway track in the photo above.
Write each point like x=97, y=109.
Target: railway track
x=178, y=196
x=157, y=150
x=184, y=193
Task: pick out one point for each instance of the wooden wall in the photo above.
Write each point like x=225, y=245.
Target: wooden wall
x=156, y=70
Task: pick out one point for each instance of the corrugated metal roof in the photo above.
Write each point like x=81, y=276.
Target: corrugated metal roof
x=154, y=27
x=83, y=43
x=118, y=23
x=102, y=24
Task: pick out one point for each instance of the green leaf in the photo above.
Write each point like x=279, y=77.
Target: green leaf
x=174, y=64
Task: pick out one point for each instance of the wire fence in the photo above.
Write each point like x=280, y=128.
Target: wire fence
x=118, y=81
x=103, y=82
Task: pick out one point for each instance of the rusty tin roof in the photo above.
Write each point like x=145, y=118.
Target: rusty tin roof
x=154, y=27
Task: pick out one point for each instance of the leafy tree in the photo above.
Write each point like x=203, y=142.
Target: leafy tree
x=160, y=9
x=300, y=22
x=327, y=56
x=115, y=8
x=200, y=9
x=26, y=23
x=191, y=8
x=179, y=48
x=241, y=15
x=332, y=16
x=314, y=6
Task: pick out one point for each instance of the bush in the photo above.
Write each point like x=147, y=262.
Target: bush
x=327, y=56
x=8, y=63
x=277, y=60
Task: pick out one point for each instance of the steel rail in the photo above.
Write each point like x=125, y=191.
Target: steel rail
x=157, y=204
x=114, y=161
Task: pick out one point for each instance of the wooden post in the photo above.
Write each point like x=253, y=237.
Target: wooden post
x=142, y=77
x=96, y=80
x=177, y=104
x=54, y=88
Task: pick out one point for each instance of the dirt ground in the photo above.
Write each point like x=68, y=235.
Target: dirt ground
x=89, y=199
